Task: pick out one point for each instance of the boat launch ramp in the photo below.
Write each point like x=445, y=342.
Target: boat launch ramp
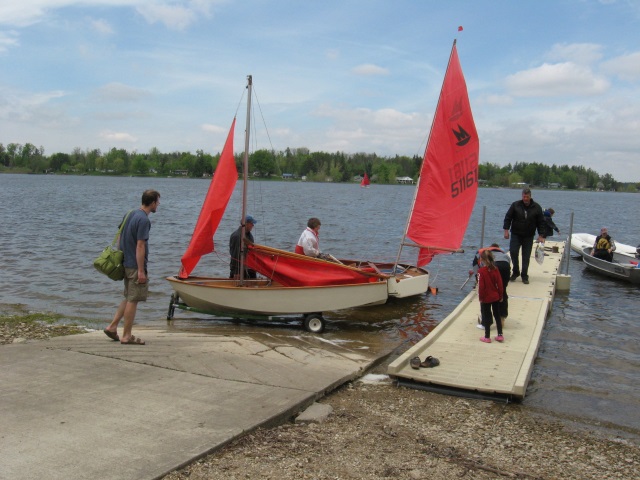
x=469, y=367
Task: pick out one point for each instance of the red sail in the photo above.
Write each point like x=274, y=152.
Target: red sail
x=294, y=270
x=220, y=190
x=365, y=180
x=448, y=183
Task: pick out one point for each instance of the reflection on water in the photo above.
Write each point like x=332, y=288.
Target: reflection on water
x=52, y=227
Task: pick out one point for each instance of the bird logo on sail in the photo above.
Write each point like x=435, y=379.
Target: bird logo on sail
x=462, y=136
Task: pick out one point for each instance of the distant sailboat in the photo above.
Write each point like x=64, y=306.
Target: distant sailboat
x=365, y=181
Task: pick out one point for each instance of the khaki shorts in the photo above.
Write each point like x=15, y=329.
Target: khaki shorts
x=134, y=291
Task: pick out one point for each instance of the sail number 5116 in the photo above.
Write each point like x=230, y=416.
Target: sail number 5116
x=463, y=175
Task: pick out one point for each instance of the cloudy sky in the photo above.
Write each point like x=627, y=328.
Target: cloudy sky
x=551, y=81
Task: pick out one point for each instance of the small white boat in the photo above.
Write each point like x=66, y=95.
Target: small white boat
x=622, y=267
x=580, y=241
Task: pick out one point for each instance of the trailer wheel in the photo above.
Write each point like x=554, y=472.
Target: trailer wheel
x=172, y=306
x=314, y=323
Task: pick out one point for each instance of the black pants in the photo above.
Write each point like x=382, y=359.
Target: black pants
x=526, y=243
x=505, y=273
x=487, y=309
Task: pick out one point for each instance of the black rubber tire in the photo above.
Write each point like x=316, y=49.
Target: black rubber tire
x=314, y=323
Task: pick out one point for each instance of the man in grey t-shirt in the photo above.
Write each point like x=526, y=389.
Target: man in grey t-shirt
x=134, y=244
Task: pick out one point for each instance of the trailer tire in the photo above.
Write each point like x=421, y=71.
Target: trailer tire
x=314, y=323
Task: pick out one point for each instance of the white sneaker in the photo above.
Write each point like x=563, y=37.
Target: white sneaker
x=480, y=326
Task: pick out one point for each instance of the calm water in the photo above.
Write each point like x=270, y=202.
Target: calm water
x=587, y=367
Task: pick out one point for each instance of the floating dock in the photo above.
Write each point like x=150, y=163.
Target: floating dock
x=469, y=367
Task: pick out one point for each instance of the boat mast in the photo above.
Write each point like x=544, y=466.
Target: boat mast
x=245, y=170
x=415, y=193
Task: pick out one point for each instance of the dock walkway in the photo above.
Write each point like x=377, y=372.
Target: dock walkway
x=473, y=368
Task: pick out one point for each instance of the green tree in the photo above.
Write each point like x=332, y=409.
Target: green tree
x=140, y=164
x=570, y=179
x=262, y=161
x=57, y=160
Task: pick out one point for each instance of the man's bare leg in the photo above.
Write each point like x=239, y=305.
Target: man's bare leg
x=129, y=316
x=113, y=326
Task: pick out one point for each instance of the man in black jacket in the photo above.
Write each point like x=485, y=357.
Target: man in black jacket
x=522, y=218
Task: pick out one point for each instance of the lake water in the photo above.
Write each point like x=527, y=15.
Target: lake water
x=52, y=227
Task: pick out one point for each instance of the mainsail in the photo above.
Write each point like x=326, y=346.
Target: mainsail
x=220, y=190
x=448, y=182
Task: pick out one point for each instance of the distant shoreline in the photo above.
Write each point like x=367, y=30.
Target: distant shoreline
x=298, y=180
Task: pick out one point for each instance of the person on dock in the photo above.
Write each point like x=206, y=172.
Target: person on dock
x=522, y=218
x=604, y=246
x=134, y=243
x=309, y=242
x=235, y=248
x=490, y=290
x=502, y=260
x=550, y=225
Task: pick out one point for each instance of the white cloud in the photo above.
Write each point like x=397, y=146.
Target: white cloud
x=213, y=129
x=18, y=106
x=385, y=131
x=21, y=14
x=176, y=16
x=332, y=54
x=102, y=26
x=559, y=79
x=118, y=137
x=627, y=67
x=495, y=100
x=118, y=92
x=7, y=39
x=369, y=69
x=579, y=53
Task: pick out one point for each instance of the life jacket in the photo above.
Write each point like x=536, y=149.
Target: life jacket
x=603, y=244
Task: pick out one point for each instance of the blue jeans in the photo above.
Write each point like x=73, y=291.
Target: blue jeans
x=526, y=243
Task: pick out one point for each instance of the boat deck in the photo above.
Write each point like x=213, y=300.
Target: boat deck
x=472, y=368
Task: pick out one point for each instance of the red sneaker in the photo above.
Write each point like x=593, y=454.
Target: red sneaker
x=485, y=339
x=499, y=338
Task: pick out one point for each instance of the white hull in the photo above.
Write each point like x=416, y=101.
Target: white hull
x=259, y=297
x=579, y=241
x=414, y=281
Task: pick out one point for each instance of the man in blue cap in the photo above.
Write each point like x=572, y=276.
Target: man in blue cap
x=235, y=248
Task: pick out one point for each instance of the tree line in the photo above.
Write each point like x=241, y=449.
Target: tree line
x=298, y=162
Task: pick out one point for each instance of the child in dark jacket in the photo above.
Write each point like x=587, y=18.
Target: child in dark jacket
x=490, y=295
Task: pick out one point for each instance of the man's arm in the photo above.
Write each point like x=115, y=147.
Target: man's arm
x=508, y=218
x=140, y=252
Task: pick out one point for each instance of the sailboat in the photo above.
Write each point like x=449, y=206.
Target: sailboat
x=290, y=283
x=364, y=183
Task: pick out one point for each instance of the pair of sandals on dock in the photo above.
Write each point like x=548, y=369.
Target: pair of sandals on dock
x=429, y=362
